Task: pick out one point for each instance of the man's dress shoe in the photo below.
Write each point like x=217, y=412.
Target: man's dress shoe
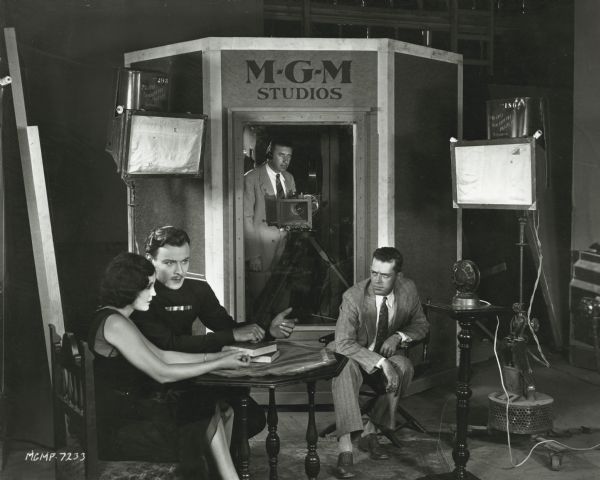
x=344, y=461
x=369, y=443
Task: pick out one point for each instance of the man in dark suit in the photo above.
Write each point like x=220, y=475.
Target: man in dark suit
x=264, y=244
x=179, y=302
x=377, y=315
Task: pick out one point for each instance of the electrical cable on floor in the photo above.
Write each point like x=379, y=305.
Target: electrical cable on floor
x=503, y=388
x=507, y=396
x=558, y=443
x=536, y=226
x=543, y=360
x=529, y=324
x=536, y=358
x=439, y=439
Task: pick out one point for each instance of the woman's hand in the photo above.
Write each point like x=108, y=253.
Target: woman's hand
x=216, y=356
x=234, y=360
x=219, y=355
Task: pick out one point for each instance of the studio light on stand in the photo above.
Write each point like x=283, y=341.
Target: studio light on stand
x=146, y=140
x=501, y=174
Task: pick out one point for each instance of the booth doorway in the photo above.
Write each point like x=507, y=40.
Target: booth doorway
x=313, y=268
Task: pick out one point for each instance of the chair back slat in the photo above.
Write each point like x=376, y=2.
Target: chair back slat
x=88, y=397
x=58, y=387
x=74, y=396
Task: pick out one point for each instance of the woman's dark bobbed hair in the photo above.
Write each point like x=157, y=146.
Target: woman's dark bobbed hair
x=124, y=278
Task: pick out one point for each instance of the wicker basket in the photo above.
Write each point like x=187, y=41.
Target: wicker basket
x=525, y=416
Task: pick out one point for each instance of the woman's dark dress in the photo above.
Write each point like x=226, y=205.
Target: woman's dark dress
x=140, y=419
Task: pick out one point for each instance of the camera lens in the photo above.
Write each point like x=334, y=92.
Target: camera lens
x=298, y=209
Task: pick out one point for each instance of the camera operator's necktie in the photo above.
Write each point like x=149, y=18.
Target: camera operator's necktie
x=279, y=186
x=382, y=326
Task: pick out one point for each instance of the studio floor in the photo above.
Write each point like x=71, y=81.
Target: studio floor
x=576, y=394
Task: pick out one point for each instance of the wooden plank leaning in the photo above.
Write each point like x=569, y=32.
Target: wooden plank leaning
x=37, y=201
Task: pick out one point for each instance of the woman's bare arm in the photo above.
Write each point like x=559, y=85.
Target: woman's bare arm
x=170, y=356
x=124, y=335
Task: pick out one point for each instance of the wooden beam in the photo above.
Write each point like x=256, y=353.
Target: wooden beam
x=386, y=226
x=306, y=18
x=490, y=46
x=471, y=21
x=15, y=73
x=37, y=201
x=218, y=249
x=453, y=12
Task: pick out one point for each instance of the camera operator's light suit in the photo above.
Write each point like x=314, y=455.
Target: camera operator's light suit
x=260, y=240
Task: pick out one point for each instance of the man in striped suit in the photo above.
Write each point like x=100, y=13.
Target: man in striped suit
x=377, y=315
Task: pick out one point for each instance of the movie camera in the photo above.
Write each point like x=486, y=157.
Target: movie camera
x=292, y=213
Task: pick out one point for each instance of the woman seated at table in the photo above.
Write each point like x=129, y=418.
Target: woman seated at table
x=138, y=418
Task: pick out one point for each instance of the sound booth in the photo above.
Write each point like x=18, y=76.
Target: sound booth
x=370, y=120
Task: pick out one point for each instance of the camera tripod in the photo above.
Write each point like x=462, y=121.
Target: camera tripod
x=287, y=266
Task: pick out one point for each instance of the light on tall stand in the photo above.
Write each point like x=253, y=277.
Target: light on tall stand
x=501, y=174
x=146, y=140
x=496, y=174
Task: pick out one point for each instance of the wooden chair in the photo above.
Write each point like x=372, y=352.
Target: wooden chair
x=75, y=412
x=74, y=397
x=420, y=369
